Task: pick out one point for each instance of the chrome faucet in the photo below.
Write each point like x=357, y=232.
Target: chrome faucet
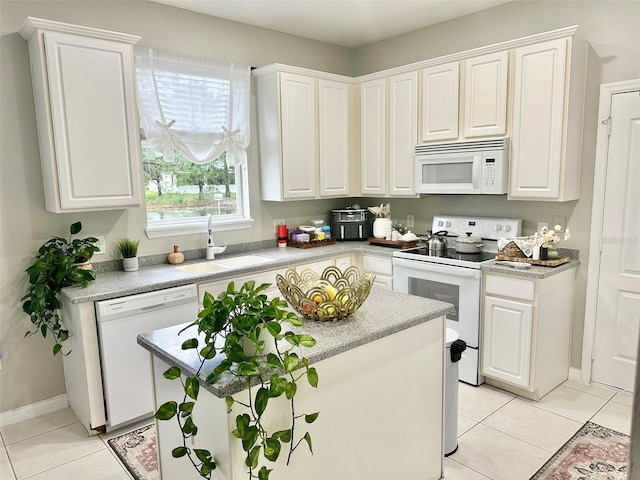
x=211, y=246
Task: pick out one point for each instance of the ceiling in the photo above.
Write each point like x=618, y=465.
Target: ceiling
x=350, y=23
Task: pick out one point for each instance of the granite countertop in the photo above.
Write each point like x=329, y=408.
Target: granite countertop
x=535, y=271
x=116, y=284
x=371, y=322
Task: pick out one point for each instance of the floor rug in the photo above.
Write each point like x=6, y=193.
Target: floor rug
x=593, y=453
x=137, y=451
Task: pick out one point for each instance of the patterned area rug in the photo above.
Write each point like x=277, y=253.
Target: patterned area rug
x=593, y=453
x=137, y=450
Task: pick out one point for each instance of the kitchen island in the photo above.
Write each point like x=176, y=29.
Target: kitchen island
x=380, y=397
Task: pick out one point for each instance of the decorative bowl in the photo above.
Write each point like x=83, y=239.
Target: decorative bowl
x=331, y=296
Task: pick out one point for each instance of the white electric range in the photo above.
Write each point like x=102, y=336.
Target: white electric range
x=455, y=278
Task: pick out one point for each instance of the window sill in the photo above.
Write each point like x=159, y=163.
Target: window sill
x=198, y=227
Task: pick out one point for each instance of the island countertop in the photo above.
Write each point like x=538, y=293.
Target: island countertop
x=382, y=314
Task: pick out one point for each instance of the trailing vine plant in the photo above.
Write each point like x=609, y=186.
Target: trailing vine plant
x=246, y=317
x=56, y=267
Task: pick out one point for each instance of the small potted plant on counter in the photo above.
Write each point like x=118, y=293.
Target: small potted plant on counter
x=129, y=250
x=59, y=263
x=225, y=327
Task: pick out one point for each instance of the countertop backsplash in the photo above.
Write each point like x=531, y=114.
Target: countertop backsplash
x=198, y=253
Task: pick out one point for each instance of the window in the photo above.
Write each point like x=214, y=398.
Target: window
x=195, y=130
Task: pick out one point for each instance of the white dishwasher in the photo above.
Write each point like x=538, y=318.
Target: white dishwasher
x=126, y=366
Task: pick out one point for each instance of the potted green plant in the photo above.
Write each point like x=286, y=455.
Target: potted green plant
x=129, y=250
x=59, y=263
x=223, y=325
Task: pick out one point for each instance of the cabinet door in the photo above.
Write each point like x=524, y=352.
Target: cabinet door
x=506, y=343
x=440, y=102
x=373, y=135
x=343, y=262
x=333, y=138
x=538, y=113
x=485, y=99
x=403, y=132
x=298, y=135
x=93, y=119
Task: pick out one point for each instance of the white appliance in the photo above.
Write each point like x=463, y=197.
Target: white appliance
x=476, y=167
x=455, y=278
x=126, y=366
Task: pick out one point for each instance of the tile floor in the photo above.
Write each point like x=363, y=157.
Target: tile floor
x=501, y=436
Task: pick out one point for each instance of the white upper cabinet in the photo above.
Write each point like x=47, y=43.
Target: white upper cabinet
x=485, y=95
x=548, y=90
x=84, y=88
x=298, y=136
x=403, y=132
x=477, y=101
x=440, y=96
x=373, y=137
x=304, y=134
x=333, y=138
x=389, y=129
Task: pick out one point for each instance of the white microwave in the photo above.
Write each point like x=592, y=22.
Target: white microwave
x=476, y=167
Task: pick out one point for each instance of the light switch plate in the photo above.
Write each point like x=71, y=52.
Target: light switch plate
x=410, y=221
x=280, y=221
x=560, y=220
x=102, y=245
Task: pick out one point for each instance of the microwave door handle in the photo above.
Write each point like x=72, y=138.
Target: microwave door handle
x=477, y=173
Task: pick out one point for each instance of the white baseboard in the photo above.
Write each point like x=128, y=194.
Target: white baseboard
x=575, y=374
x=33, y=410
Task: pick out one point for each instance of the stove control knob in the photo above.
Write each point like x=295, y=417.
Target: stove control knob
x=507, y=228
x=448, y=224
x=498, y=228
x=440, y=223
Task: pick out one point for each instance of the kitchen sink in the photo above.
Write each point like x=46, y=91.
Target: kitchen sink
x=224, y=264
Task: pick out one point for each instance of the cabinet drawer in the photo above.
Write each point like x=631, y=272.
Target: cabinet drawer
x=510, y=287
x=219, y=286
x=380, y=265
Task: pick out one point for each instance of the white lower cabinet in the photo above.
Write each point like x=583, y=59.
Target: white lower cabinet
x=507, y=340
x=526, y=328
x=381, y=267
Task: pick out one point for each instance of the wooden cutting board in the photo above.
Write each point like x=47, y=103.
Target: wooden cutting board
x=392, y=243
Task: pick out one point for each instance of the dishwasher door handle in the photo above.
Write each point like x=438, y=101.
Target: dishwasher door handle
x=151, y=308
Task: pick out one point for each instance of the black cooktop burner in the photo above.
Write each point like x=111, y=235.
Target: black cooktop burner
x=451, y=253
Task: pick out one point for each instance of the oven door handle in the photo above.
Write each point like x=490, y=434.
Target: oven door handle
x=437, y=268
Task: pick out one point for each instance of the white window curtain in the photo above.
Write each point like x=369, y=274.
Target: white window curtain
x=195, y=106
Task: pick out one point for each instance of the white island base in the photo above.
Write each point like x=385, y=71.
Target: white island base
x=381, y=416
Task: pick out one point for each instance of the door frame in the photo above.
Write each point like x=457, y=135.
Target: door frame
x=607, y=90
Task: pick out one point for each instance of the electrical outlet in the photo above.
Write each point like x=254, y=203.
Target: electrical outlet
x=280, y=221
x=410, y=222
x=102, y=245
x=542, y=224
x=560, y=220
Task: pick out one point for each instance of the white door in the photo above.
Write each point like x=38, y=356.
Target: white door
x=373, y=137
x=618, y=298
x=538, y=115
x=333, y=138
x=506, y=340
x=403, y=133
x=440, y=96
x=298, y=117
x=485, y=104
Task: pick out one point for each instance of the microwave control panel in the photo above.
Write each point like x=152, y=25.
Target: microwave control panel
x=493, y=173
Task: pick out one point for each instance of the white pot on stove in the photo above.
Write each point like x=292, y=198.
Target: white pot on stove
x=468, y=244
